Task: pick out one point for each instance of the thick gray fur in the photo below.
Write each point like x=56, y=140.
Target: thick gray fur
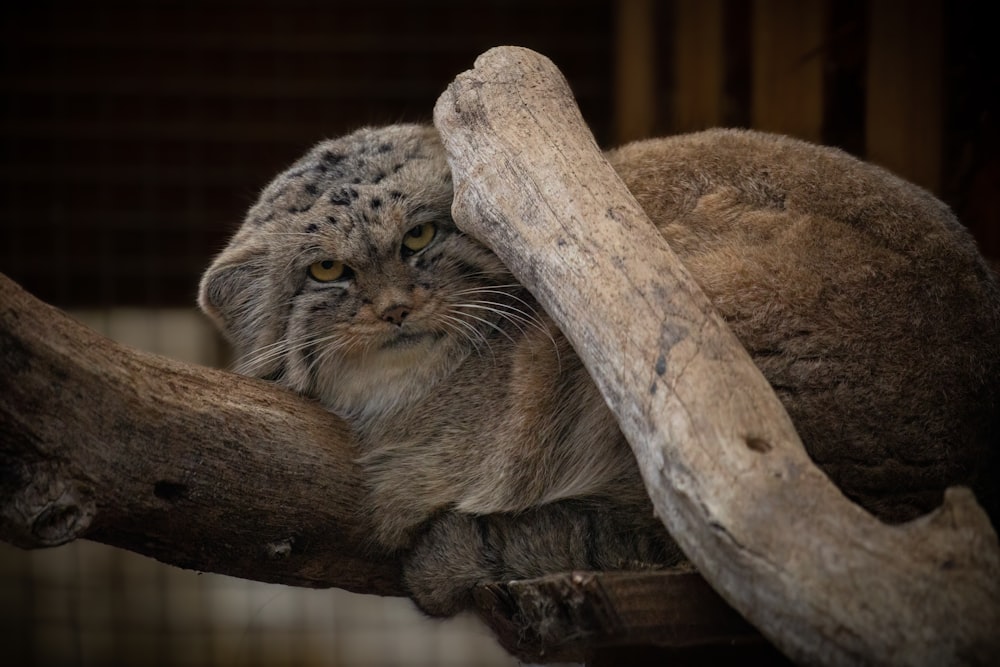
x=489, y=452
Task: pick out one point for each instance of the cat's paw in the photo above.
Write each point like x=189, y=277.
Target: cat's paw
x=446, y=564
x=457, y=551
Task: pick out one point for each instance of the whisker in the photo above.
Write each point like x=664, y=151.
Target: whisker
x=514, y=319
x=527, y=317
x=515, y=315
x=467, y=331
x=492, y=325
x=282, y=348
x=477, y=289
x=495, y=290
x=324, y=356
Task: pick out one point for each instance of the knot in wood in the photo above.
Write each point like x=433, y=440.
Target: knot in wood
x=279, y=549
x=52, y=508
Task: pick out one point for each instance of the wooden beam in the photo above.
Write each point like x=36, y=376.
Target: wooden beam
x=700, y=65
x=787, y=70
x=904, y=108
x=635, y=70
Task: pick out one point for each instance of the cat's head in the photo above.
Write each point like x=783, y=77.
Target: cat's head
x=350, y=271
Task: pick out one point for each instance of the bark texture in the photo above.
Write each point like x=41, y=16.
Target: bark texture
x=195, y=467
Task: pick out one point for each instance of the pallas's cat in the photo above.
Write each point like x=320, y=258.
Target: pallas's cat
x=490, y=453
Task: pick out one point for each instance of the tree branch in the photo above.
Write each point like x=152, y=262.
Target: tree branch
x=567, y=617
x=192, y=466
x=824, y=580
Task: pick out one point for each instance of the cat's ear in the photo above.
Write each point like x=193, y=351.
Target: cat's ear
x=233, y=292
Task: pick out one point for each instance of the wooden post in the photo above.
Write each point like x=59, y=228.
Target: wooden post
x=699, y=65
x=903, y=125
x=635, y=70
x=788, y=67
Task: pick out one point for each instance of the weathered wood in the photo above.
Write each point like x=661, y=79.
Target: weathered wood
x=195, y=467
x=727, y=473
x=588, y=611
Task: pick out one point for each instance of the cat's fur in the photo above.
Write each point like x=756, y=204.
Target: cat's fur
x=489, y=451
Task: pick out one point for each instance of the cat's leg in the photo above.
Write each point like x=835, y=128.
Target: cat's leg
x=459, y=551
x=397, y=525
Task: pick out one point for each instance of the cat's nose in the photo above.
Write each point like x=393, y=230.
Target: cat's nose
x=396, y=314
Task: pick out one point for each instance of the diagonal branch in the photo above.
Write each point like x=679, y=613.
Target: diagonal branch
x=192, y=466
x=824, y=580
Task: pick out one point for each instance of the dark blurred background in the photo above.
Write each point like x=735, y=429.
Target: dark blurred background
x=135, y=134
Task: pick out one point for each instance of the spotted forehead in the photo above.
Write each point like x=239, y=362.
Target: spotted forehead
x=367, y=170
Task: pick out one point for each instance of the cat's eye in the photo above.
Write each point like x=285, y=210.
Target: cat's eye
x=419, y=237
x=328, y=270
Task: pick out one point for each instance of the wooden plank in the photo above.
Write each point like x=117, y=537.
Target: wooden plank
x=635, y=71
x=699, y=65
x=905, y=78
x=787, y=67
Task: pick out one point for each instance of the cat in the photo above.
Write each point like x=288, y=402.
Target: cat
x=489, y=452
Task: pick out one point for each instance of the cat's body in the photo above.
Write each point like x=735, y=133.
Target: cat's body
x=489, y=451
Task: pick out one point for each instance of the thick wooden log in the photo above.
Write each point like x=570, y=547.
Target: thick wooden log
x=823, y=579
x=193, y=466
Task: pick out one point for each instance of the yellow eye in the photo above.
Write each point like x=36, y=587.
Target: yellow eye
x=327, y=271
x=419, y=237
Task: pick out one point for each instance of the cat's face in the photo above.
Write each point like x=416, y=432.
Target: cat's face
x=349, y=281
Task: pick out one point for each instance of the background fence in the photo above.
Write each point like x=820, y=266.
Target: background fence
x=134, y=135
